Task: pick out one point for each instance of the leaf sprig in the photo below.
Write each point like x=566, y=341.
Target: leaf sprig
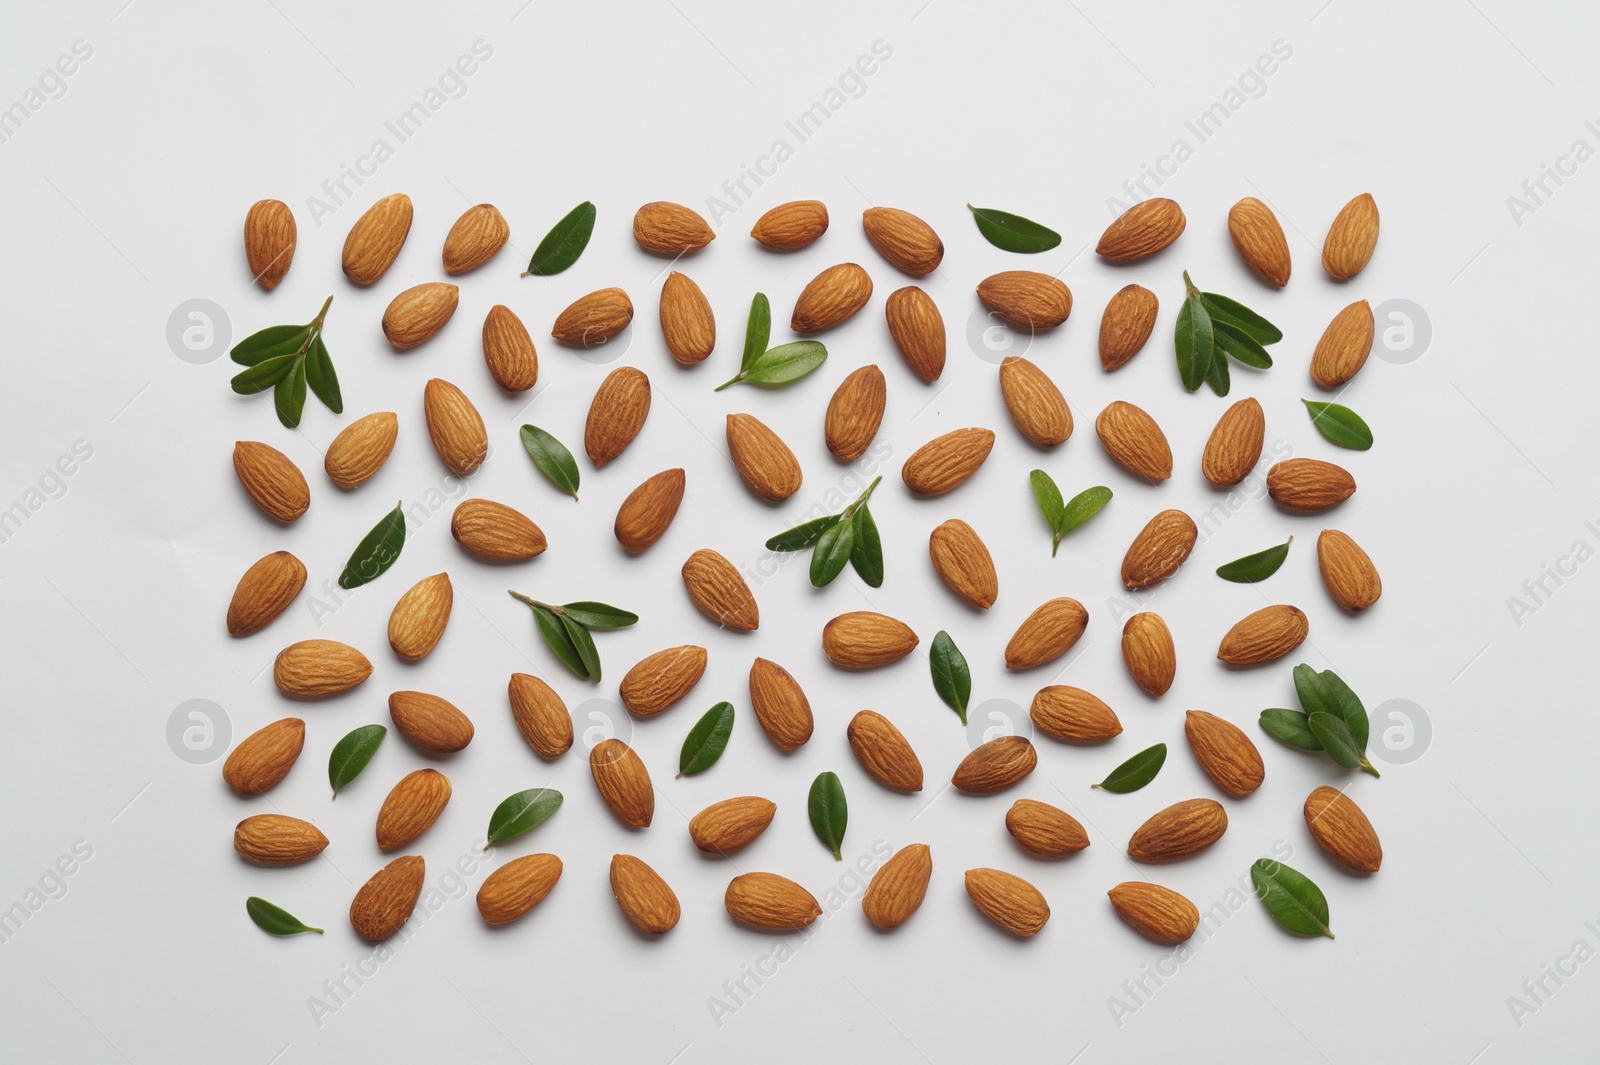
x=1064, y=517
x=829, y=812
x=1331, y=718
x=1256, y=567
x=770, y=367
x=1010, y=232
x=1291, y=898
x=952, y=677
x=287, y=359
x=566, y=629
x=552, y=458
x=706, y=741
x=275, y=919
x=566, y=240
x=835, y=539
x=1210, y=329
x=377, y=550
x=1136, y=772
x=1339, y=425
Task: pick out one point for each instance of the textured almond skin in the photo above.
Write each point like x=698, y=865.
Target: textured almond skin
x=1148, y=653
x=1342, y=830
x=1159, y=549
x=780, y=705
x=1047, y=633
x=862, y=639
x=1264, y=636
x=273, y=839
x=995, y=766
x=854, y=413
x=687, y=324
x=374, y=242
x=508, y=350
x=1348, y=574
x=496, y=532
x=419, y=312
x=361, y=449
x=273, y=481
x=432, y=724
x=592, y=320
x=1226, y=754
x=475, y=238
x=1009, y=901
x=645, y=899
x=670, y=229
x=311, y=669
x=1072, y=715
x=1234, y=446
x=830, y=298
x=264, y=757
x=1351, y=239
x=411, y=808
x=265, y=591
x=917, y=329
x=770, y=903
x=646, y=514
x=1260, y=241
x=269, y=240
x=418, y=620
x=1135, y=441
x=541, y=716
x=719, y=592
x=514, y=889
x=732, y=824
x=1182, y=829
x=1304, y=486
x=617, y=413
x=1344, y=346
x=1026, y=299
x=884, y=752
x=1126, y=325
x=792, y=226
x=1044, y=830
x=964, y=563
x=897, y=889
x=384, y=904
x=1036, y=405
x=623, y=782
x=1158, y=913
x=765, y=464
x=455, y=427
x=1141, y=231
x=658, y=681
x=945, y=462
x=906, y=241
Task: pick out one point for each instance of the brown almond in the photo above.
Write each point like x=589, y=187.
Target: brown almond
x=361, y=449
x=780, y=705
x=1155, y=912
x=830, y=298
x=384, y=904
x=645, y=899
x=687, y=324
x=1044, y=830
x=269, y=240
x=770, y=903
x=945, y=462
x=649, y=509
x=623, y=782
x=731, y=825
x=917, y=328
x=1026, y=299
x=1159, y=549
x=1009, y=901
x=475, y=238
x=495, y=532
x=455, y=427
x=508, y=350
x=1348, y=574
x=273, y=839
x=273, y=481
x=1226, y=754
x=1344, y=346
x=374, y=242
x=1141, y=231
x=616, y=414
x=264, y=757
x=1126, y=325
x=906, y=241
x=1304, y=486
x=592, y=320
x=1351, y=239
x=670, y=229
x=854, y=413
x=765, y=464
x=1342, y=830
x=418, y=620
x=658, y=681
x=419, y=312
x=1036, y=405
x=432, y=724
x=1182, y=829
x=1072, y=715
x=411, y=808
x=514, y=889
x=718, y=592
x=792, y=226
x=311, y=669
x=541, y=716
x=1148, y=653
x=863, y=639
x=265, y=591
x=964, y=563
x=884, y=752
x=1234, y=446
x=1259, y=240
x=1135, y=441
x=995, y=766
x=1264, y=636
x=1047, y=633
x=897, y=889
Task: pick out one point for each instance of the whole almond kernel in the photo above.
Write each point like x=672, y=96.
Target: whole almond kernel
x=1135, y=441
x=670, y=229
x=1155, y=912
x=418, y=620
x=645, y=899
x=1047, y=633
x=917, y=328
x=791, y=226
x=508, y=350
x=616, y=414
x=718, y=592
x=863, y=639
x=1344, y=346
x=964, y=563
x=906, y=241
x=273, y=839
x=592, y=320
x=269, y=240
x=765, y=464
x=1148, y=653
x=361, y=449
x=995, y=766
x=732, y=824
x=273, y=481
x=1026, y=299
x=623, y=782
x=1072, y=715
x=1226, y=754
x=1141, y=231
x=374, y=242
x=311, y=669
x=541, y=716
x=514, y=889
x=770, y=903
x=384, y=904
x=1007, y=900
x=945, y=462
x=1260, y=241
x=897, y=889
x=1264, y=636
x=411, y=808
x=1182, y=829
x=884, y=752
x=1036, y=405
x=687, y=324
x=1126, y=325
x=475, y=238
x=1304, y=486
x=648, y=511
x=658, y=681
x=854, y=413
x=1234, y=446
x=1159, y=549
x=1351, y=239
x=419, y=312
x=496, y=532
x=780, y=705
x=265, y=591
x=432, y=724
x=1044, y=830
x=264, y=757
x=1348, y=574
x=830, y=298
x=455, y=427
x=1342, y=830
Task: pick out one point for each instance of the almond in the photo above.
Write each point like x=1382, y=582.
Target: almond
x=418, y=313
x=361, y=449
x=909, y=243
x=732, y=824
x=1009, y=901
x=897, y=889
x=864, y=640
x=623, y=782
x=854, y=413
x=384, y=904
x=1135, y=441
x=1044, y=830
x=884, y=752
x=1141, y=231
x=477, y=236
x=1264, y=636
x=514, y=889
x=1234, y=446
x=1347, y=572
x=1036, y=405
x=832, y=296
x=1158, y=913
x=1341, y=829
x=1148, y=653
x=1351, y=239
x=1224, y=752
x=658, y=681
x=592, y=320
x=995, y=766
x=269, y=239
x=411, y=808
x=780, y=704
x=718, y=592
x=541, y=716
x=1159, y=549
x=1025, y=299
x=1344, y=346
x=770, y=902
x=508, y=350
x=1180, y=830
x=1047, y=633
x=687, y=324
x=374, y=242
x=455, y=427
x=312, y=669
x=1129, y=319
x=275, y=483
x=644, y=898
x=649, y=509
x=418, y=620
x=765, y=464
x=496, y=532
x=1072, y=715
x=1260, y=240
x=265, y=591
x=432, y=724
x=917, y=329
x=964, y=563
x=617, y=413
x=1307, y=485
x=791, y=226
x=945, y=462
x=265, y=757
x=273, y=839
x=670, y=229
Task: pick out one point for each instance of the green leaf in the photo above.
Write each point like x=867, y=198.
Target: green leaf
x=832, y=552
x=1335, y=738
x=552, y=458
x=275, y=919
x=1340, y=425
x=1241, y=347
x=1217, y=375
x=555, y=635
x=1195, y=343
x=1237, y=316
x=828, y=812
x=706, y=741
x=273, y=341
x=561, y=246
x=289, y=395
x=804, y=535
x=377, y=550
x=1346, y=705
x=583, y=643
x=1313, y=691
x=866, y=555
x=1048, y=494
x=781, y=365
x=951, y=677
x=1083, y=506
x=601, y=616
x=757, y=331
x=1136, y=772
x=1289, y=726
x=263, y=375
x=522, y=812
x=1293, y=901
x=1256, y=567
x=351, y=754
x=1010, y=232
x=321, y=377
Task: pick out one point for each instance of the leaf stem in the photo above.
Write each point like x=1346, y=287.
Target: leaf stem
x=1189, y=289
x=735, y=379
x=557, y=611
x=861, y=500
x=1367, y=765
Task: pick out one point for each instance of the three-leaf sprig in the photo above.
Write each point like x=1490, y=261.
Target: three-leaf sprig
x=1331, y=718
x=566, y=629
x=835, y=539
x=287, y=359
x=1211, y=328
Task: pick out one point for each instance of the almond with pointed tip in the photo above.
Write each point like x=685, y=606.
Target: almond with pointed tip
x=1158, y=913
x=455, y=427
x=1347, y=572
x=1148, y=653
x=671, y=229
x=1044, y=830
x=508, y=350
x=648, y=511
x=616, y=414
x=1182, y=829
x=475, y=238
x=964, y=563
x=945, y=462
x=541, y=716
x=411, y=808
x=264, y=592
x=374, y=242
x=1135, y=441
x=496, y=532
x=274, y=839
x=863, y=639
x=906, y=241
x=770, y=903
x=884, y=752
x=832, y=297
x=645, y=899
x=1129, y=318
x=657, y=682
x=273, y=481
x=1344, y=346
x=792, y=226
x=418, y=620
x=1226, y=754
x=269, y=240
x=1047, y=633
x=264, y=757
x=361, y=449
x=719, y=592
x=917, y=328
x=1342, y=830
x=1159, y=549
x=854, y=413
x=1305, y=486
x=1351, y=239
x=1259, y=239
x=312, y=669
x=1141, y=231
x=995, y=766
x=765, y=464
x=1026, y=299
x=514, y=889
x=1072, y=715
x=780, y=705
x=687, y=325
x=431, y=723
x=897, y=889
x=594, y=319
x=1008, y=900
x=731, y=825
x=1234, y=446
x=1036, y=405
x=623, y=782
x=1264, y=636
x=416, y=314
x=384, y=904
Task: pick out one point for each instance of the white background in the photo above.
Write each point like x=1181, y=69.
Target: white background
x=124, y=197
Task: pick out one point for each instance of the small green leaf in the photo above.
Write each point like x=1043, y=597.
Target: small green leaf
x=1241, y=346
x=561, y=246
x=601, y=616
x=1048, y=494
x=1340, y=425
x=289, y=395
x=1195, y=343
x=952, y=679
x=263, y=375
x=521, y=812
x=377, y=550
x=757, y=331
x=1010, y=232
x=1083, y=506
x=555, y=636
x=828, y=812
x=832, y=552
x=275, y=919
x=351, y=754
x=583, y=643
x=1237, y=316
x=1335, y=738
x=1313, y=691
x=781, y=365
x=552, y=458
x=1289, y=726
x=804, y=535
x=1293, y=901
x=271, y=342
x=706, y=741
x=1256, y=567
x=1136, y=772
x=1346, y=705
x=321, y=377
x=866, y=554
x=1217, y=375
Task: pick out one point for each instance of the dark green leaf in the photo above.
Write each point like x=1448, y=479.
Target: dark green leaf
x=561, y=246
x=833, y=548
x=804, y=535
x=1293, y=901
x=1340, y=425
x=377, y=550
x=1256, y=567
x=828, y=812
x=1195, y=343
x=757, y=331
x=555, y=635
x=1290, y=727
x=263, y=375
x=269, y=343
x=782, y=364
x=1010, y=232
x=599, y=615
x=552, y=458
x=275, y=919
x=1346, y=705
x=706, y=741
x=521, y=812
x=1083, y=506
x=321, y=377
x=289, y=395
x=1136, y=772
x=1313, y=691
x=1241, y=346
x=1217, y=375
x=951, y=677
x=583, y=643
x=1335, y=738
x=866, y=554
x=351, y=754
x=1237, y=316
